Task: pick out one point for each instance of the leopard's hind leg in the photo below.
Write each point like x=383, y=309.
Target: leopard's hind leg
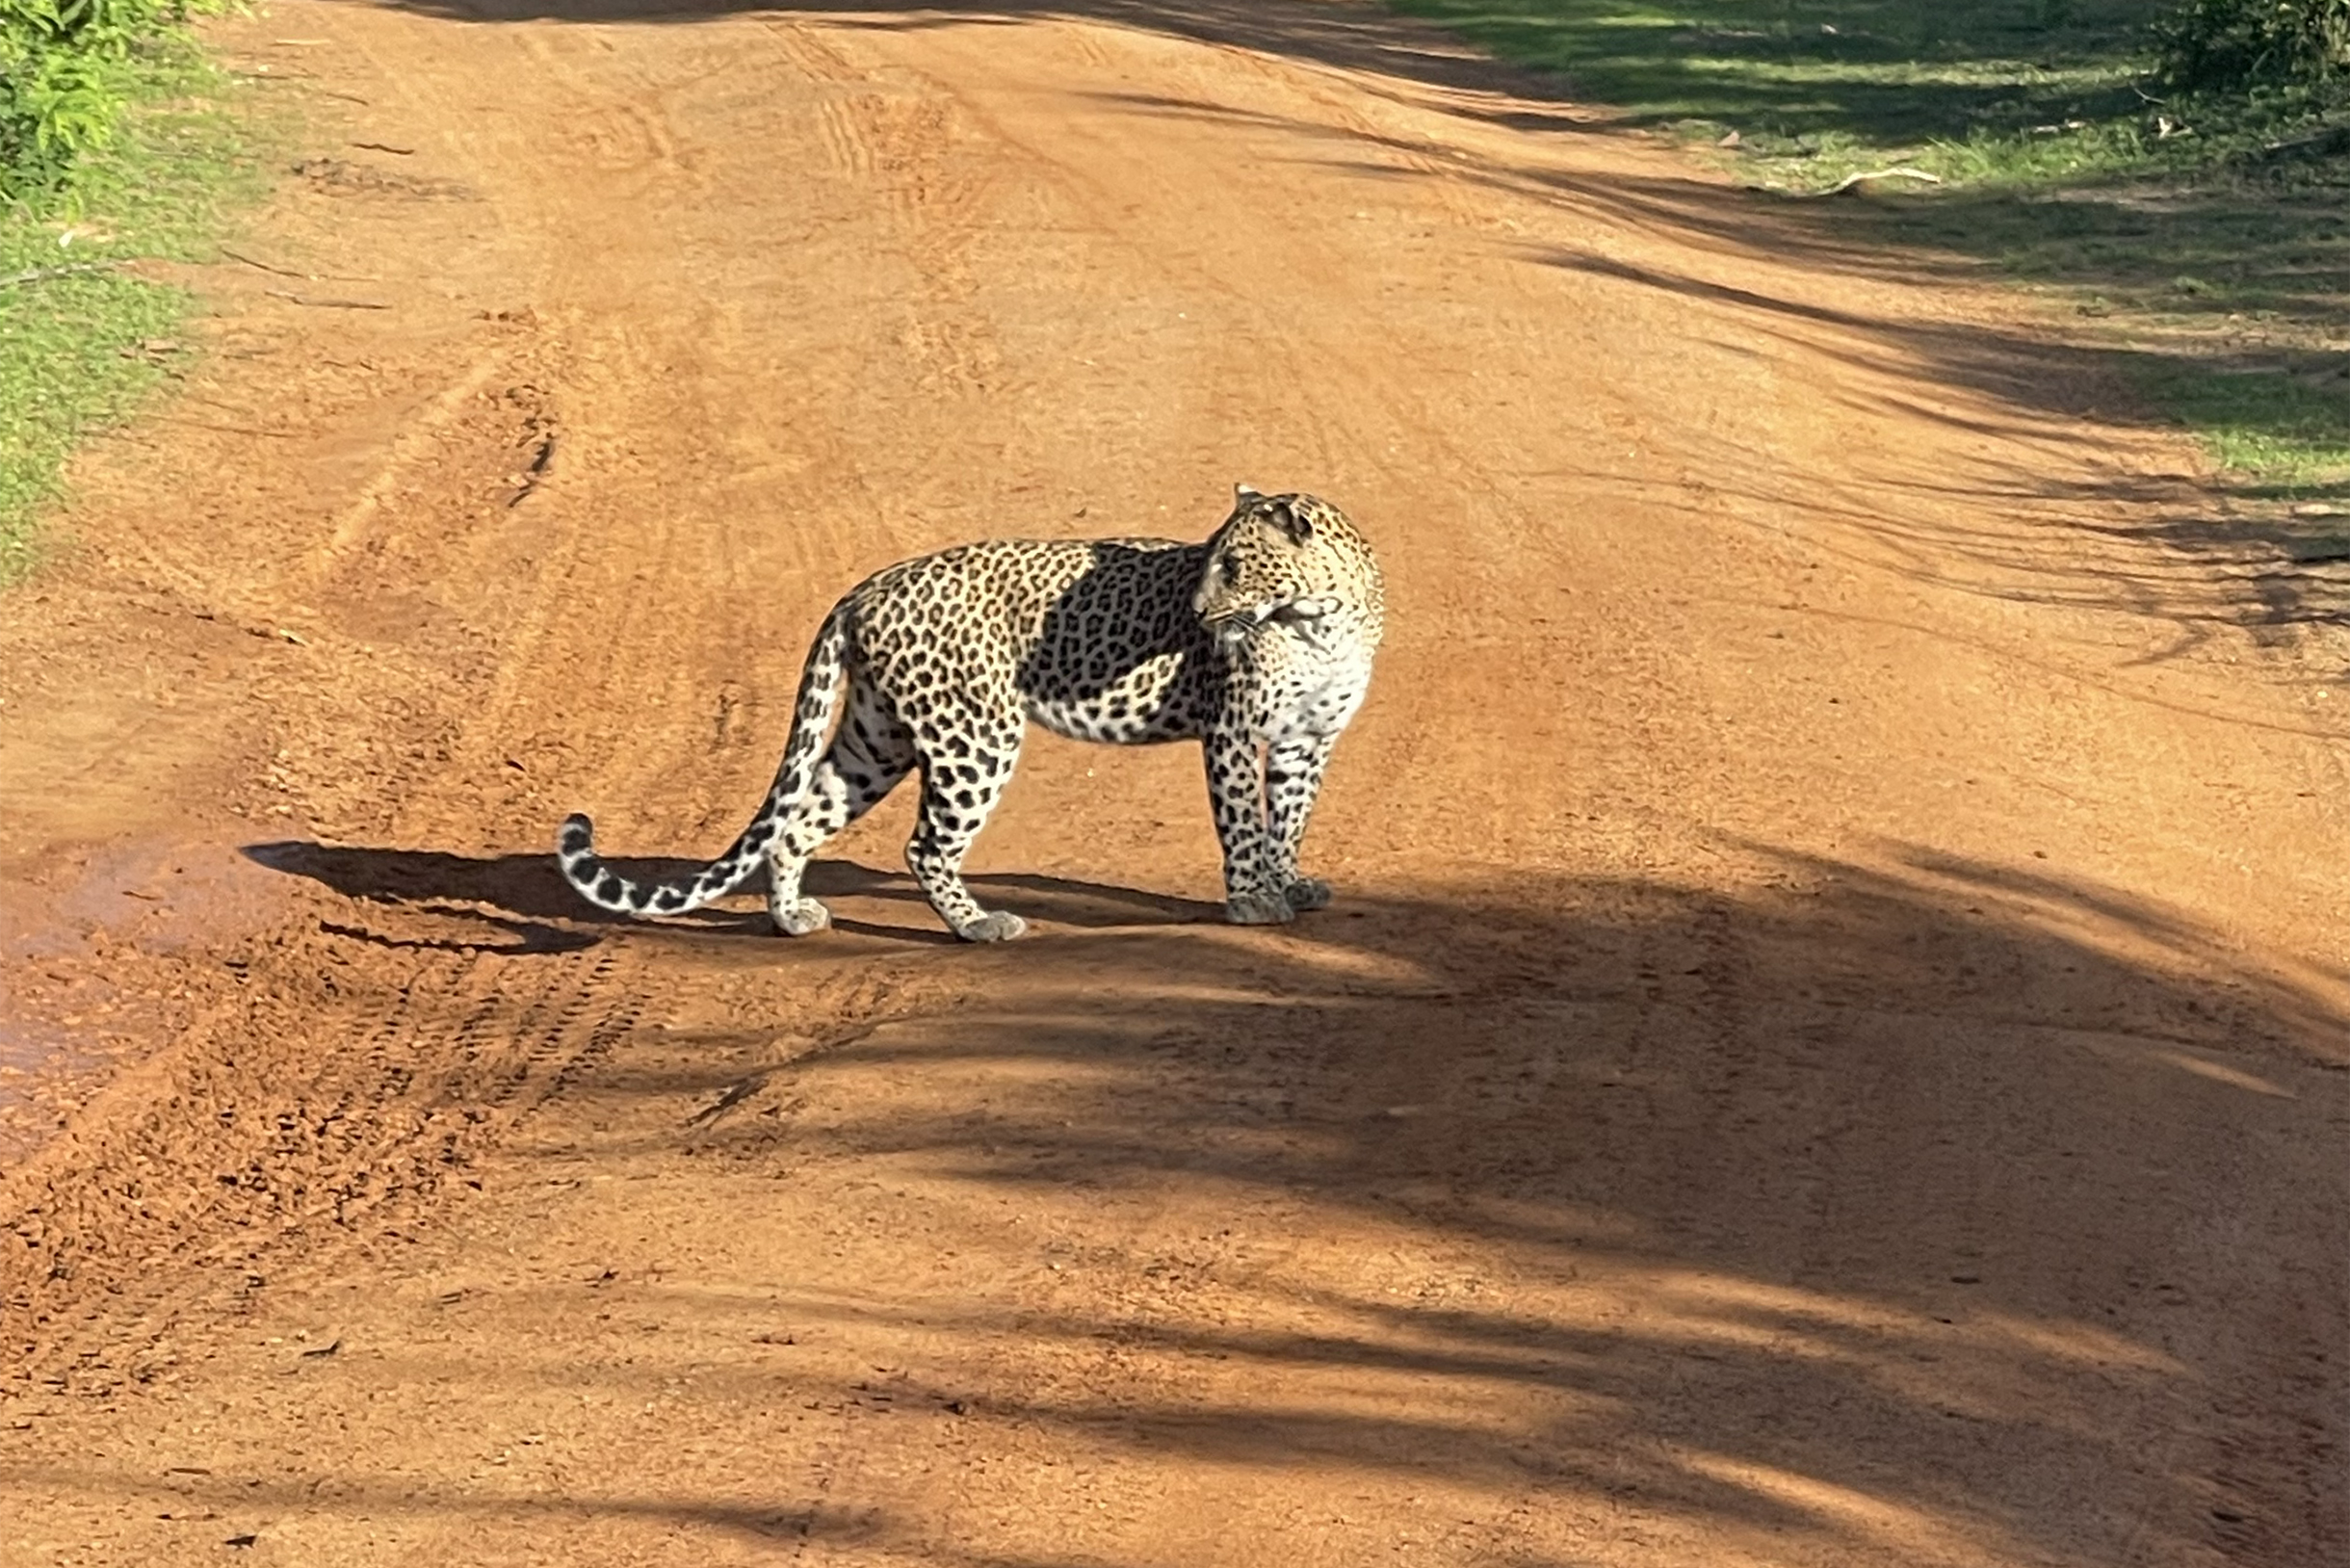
x=867, y=757
x=965, y=764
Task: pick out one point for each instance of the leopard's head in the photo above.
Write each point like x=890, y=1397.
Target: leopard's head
x=1286, y=560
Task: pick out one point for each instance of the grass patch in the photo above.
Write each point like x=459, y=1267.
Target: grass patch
x=2227, y=295
x=1815, y=88
x=80, y=350
x=2208, y=238
x=2279, y=430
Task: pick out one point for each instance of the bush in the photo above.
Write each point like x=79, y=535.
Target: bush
x=64, y=65
x=2248, y=45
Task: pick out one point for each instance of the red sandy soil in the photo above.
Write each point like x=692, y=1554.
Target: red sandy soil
x=1829, y=1049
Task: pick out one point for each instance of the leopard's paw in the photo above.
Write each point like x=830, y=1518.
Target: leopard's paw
x=995, y=926
x=801, y=917
x=1308, y=893
x=1259, y=910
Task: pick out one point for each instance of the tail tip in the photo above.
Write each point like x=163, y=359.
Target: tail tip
x=576, y=836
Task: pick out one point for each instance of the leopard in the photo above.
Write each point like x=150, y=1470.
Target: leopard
x=1257, y=642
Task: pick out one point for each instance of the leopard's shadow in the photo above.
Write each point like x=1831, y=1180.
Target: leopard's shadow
x=526, y=892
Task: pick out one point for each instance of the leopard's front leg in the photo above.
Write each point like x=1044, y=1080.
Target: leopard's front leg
x=1236, y=794
x=1293, y=782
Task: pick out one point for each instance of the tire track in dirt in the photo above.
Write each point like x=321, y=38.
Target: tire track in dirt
x=401, y=1084
x=902, y=137
x=416, y=445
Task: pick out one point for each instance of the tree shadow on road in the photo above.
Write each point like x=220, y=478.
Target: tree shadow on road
x=1865, y=1205
x=1894, y=1206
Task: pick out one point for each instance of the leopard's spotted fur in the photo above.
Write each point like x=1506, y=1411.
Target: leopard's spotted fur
x=1257, y=641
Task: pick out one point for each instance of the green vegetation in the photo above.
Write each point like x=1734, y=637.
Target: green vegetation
x=2293, y=46
x=2282, y=433
x=68, y=71
x=81, y=337
x=1816, y=89
x=2226, y=295
x=2180, y=169
x=1985, y=91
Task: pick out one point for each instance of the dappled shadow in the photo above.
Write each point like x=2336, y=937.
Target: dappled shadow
x=1877, y=1191
x=2166, y=546
x=873, y=1533
x=1872, y=1206
x=1876, y=72
x=2244, y=251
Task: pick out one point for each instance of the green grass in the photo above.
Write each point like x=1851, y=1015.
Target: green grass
x=2207, y=242
x=2281, y=430
x=82, y=349
x=2226, y=295
x=1814, y=89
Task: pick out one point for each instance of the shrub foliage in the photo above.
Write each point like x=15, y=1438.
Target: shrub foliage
x=2239, y=46
x=65, y=67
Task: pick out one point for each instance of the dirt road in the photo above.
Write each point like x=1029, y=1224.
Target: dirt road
x=1831, y=1046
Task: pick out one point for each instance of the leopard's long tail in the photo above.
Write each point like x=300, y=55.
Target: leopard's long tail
x=819, y=683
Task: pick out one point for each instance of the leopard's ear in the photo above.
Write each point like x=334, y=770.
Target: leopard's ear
x=1244, y=492
x=1292, y=521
